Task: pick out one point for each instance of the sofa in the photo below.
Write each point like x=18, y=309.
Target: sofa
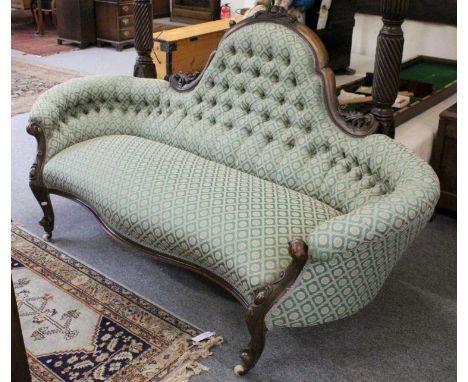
x=248, y=175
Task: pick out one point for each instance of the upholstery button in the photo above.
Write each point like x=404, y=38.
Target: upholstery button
x=300, y=106
x=236, y=69
x=274, y=78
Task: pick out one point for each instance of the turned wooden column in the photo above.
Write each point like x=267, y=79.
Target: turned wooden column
x=388, y=64
x=143, y=16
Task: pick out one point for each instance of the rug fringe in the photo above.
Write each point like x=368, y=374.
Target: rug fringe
x=189, y=365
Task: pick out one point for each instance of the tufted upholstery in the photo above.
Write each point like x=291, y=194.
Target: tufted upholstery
x=259, y=110
x=260, y=101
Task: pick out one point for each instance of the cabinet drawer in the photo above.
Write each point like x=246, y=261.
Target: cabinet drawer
x=126, y=9
x=125, y=21
x=126, y=34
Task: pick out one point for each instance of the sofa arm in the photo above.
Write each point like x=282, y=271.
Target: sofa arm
x=401, y=213
x=94, y=106
x=351, y=255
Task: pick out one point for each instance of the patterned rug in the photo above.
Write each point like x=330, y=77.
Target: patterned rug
x=25, y=39
x=80, y=326
x=30, y=79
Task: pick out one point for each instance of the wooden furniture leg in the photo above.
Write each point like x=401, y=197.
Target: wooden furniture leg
x=143, y=16
x=40, y=19
x=388, y=57
x=19, y=360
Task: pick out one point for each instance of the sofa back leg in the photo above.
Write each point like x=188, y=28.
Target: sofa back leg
x=264, y=301
x=143, y=16
x=388, y=57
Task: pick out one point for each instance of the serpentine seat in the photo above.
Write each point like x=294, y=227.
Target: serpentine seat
x=219, y=175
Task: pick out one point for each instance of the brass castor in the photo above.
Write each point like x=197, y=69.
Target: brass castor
x=239, y=370
x=47, y=237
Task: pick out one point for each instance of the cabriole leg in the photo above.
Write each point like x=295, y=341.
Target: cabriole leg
x=264, y=301
x=47, y=222
x=36, y=183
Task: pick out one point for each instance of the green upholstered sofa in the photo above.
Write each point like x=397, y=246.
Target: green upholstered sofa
x=248, y=176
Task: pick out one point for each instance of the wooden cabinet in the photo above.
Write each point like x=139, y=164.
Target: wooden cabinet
x=444, y=158
x=161, y=8
x=338, y=34
x=114, y=22
x=75, y=22
x=187, y=49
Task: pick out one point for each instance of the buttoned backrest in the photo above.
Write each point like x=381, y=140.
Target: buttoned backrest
x=260, y=108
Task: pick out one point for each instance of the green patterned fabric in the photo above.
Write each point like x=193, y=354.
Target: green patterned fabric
x=172, y=201
x=351, y=255
x=257, y=120
x=259, y=109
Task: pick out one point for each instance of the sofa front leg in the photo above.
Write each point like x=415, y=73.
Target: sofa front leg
x=47, y=222
x=264, y=301
x=41, y=193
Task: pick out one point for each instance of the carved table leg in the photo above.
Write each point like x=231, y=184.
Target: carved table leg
x=264, y=301
x=388, y=63
x=47, y=222
x=143, y=15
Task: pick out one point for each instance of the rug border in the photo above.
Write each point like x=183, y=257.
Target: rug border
x=141, y=301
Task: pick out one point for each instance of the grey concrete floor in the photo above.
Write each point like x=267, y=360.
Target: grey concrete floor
x=408, y=333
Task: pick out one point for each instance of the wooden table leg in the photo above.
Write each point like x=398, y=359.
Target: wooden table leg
x=40, y=19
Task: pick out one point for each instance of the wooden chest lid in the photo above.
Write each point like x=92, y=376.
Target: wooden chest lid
x=189, y=31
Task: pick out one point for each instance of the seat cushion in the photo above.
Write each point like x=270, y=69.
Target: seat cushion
x=171, y=201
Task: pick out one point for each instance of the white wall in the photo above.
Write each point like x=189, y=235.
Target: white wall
x=237, y=4
x=423, y=38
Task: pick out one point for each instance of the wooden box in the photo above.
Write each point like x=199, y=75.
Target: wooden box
x=444, y=158
x=187, y=49
x=114, y=22
x=416, y=75
x=75, y=22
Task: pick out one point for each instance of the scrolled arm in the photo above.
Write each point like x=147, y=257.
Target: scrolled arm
x=351, y=255
x=94, y=106
x=400, y=214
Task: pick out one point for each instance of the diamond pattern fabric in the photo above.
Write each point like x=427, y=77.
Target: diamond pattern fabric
x=254, y=135
x=174, y=202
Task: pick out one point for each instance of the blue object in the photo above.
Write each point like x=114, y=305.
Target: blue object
x=305, y=3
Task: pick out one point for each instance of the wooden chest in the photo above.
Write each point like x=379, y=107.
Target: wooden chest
x=187, y=49
x=114, y=22
x=444, y=158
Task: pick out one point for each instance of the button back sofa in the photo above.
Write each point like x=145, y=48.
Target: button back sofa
x=248, y=176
